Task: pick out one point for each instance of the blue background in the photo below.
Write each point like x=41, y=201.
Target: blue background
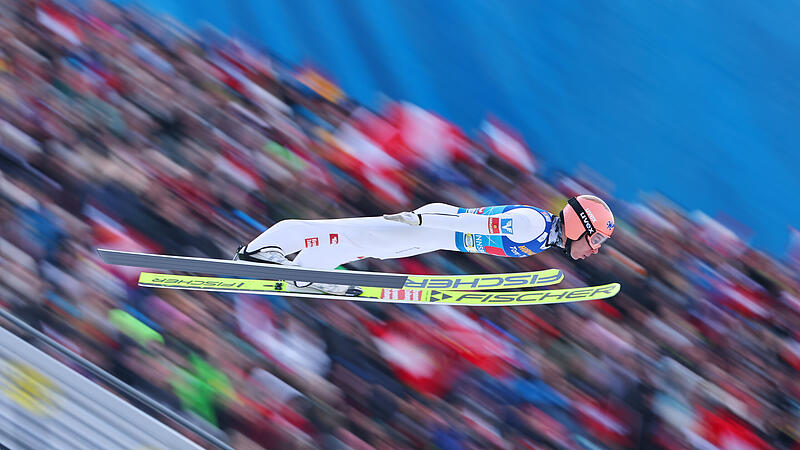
x=694, y=99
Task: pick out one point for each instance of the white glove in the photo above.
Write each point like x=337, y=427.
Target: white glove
x=408, y=218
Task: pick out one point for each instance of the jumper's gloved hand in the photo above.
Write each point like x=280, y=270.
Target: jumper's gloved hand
x=406, y=217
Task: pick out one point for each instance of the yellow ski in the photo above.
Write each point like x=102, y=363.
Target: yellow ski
x=418, y=296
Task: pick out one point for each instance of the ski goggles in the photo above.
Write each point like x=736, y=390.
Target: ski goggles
x=596, y=239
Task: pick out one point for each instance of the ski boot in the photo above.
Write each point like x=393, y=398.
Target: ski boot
x=333, y=289
x=269, y=255
x=273, y=255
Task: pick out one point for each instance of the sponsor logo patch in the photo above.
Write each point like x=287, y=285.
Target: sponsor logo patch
x=525, y=250
x=312, y=242
x=587, y=223
x=29, y=388
x=494, y=225
x=401, y=294
x=494, y=251
x=198, y=283
x=610, y=225
x=507, y=226
x=479, y=243
x=437, y=296
x=469, y=241
x=334, y=238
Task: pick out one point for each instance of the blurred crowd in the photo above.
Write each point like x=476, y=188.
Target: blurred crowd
x=121, y=129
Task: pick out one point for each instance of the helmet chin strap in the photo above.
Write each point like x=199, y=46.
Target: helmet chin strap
x=567, y=247
x=584, y=218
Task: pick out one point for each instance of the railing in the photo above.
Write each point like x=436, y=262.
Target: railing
x=45, y=404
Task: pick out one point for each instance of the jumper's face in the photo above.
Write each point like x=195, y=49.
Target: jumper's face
x=580, y=249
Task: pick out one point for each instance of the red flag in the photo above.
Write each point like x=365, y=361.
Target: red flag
x=414, y=355
x=60, y=22
x=508, y=145
x=110, y=234
x=378, y=129
x=427, y=138
x=371, y=164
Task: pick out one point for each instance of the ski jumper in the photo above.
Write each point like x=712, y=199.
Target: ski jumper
x=509, y=230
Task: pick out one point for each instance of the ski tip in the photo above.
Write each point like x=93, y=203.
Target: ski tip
x=560, y=276
x=607, y=291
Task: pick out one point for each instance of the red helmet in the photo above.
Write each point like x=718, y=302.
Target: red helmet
x=587, y=215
